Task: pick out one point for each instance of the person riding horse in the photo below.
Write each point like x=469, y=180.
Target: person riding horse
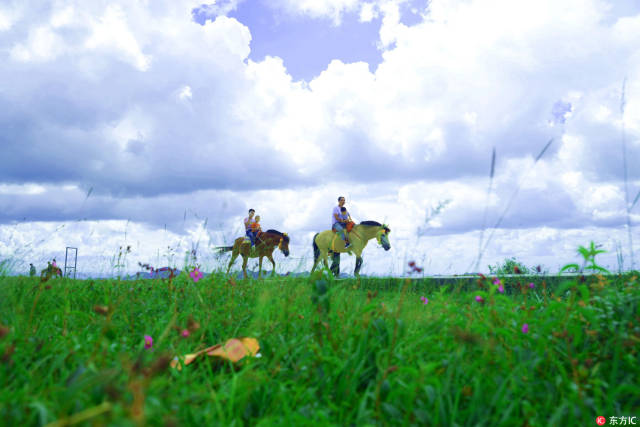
x=341, y=221
x=248, y=222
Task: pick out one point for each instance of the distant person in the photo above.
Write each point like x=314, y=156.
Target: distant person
x=49, y=267
x=54, y=264
x=247, y=226
x=32, y=270
x=340, y=218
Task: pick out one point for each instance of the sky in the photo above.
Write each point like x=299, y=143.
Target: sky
x=158, y=124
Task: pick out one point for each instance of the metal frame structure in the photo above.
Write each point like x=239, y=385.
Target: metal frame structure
x=75, y=261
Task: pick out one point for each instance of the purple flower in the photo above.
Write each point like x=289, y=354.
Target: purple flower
x=479, y=298
x=501, y=288
x=525, y=328
x=424, y=300
x=496, y=281
x=185, y=333
x=531, y=285
x=196, y=275
x=148, y=342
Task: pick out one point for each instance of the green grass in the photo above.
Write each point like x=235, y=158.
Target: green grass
x=332, y=353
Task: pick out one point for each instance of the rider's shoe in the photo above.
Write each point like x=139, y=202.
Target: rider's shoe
x=347, y=245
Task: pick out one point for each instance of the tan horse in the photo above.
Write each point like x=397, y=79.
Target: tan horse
x=265, y=244
x=358, y=237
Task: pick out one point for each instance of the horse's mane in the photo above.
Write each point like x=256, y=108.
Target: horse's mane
x=375, y=224
x=286, y=238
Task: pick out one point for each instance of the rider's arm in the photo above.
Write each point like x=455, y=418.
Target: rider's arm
x=337, y=217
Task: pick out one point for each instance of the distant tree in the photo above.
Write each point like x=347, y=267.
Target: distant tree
x=509, y=266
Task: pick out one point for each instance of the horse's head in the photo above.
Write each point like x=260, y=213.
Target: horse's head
x=383, y=237
x=283, y=245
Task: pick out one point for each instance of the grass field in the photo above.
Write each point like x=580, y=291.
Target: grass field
x=331, y=352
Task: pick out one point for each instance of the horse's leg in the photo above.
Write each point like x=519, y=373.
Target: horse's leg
x=316, y=252
x=335, y=263
x=325, y=260
x=234, y=255
x=315, y=262
x=270, y=257
x=358, y=253
x=245, y=258
x=358, y=265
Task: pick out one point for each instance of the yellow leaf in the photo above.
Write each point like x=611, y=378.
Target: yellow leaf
x=234, y=350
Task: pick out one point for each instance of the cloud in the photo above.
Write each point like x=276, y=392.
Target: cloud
x=159, y=114
x=333, y=9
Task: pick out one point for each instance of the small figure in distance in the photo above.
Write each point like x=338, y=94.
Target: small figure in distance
x=32, y=270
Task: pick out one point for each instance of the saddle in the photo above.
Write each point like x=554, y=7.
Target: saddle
x=350, y=226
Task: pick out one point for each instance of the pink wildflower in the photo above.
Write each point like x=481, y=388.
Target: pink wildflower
x=196, y=275
x=479, y=298
x=501, y=288
x=525, y=328
x=424, y=300
x=496, y=281
x=531, y=285
x=185, y=333
x=148, y=342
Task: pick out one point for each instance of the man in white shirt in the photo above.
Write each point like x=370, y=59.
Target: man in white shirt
x=340, y=217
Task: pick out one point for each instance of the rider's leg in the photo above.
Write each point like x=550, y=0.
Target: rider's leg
x=342, y=232
x=251, y=237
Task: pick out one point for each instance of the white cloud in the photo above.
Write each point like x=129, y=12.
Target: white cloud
x=111, y=31
x=7, y=18
x=153, y=109
x=333, y=9
x=185, y=93
x=21, y=189
x=368, y=12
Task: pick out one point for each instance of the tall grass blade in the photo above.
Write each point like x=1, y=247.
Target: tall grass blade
x=486, y=208
x=625, y=171
x=513, y=197
x=635, y=201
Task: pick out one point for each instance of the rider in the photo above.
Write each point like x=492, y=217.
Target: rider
x=255, y=227
x=247, y=225
x=341, y=218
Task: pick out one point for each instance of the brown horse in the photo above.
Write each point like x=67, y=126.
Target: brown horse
x=265, y=244
x=50, y=272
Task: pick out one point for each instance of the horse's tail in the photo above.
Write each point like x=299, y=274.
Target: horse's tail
x=316, y=250
x=223, y=249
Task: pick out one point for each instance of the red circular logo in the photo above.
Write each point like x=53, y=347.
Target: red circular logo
x=601, y=421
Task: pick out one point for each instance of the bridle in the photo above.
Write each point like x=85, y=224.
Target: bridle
x=281, y=239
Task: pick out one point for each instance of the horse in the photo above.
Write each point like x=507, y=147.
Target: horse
x=266, y=242
x=326, y=241
x=50, y=272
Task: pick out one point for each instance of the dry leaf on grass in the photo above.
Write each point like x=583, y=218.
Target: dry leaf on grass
x=234, y=350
